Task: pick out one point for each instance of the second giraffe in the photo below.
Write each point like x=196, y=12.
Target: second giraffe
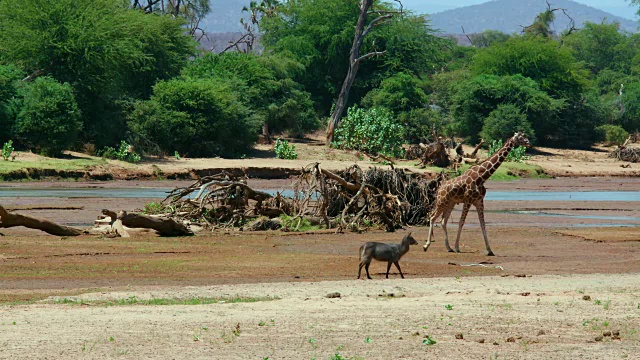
x=468, y=189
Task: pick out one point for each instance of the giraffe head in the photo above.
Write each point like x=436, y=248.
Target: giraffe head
x=519, y=139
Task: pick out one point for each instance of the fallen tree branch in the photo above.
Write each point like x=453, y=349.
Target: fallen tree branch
x=8, y=220
x=163, y=225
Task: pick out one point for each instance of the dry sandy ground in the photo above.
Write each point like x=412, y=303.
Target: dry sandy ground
x=539, y=317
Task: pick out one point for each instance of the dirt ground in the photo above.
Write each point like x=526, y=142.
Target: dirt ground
x=528, y=302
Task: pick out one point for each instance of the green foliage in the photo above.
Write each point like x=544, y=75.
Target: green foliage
x=296, y=224
x=554, y=68
x=285, y=151
x=265, y=84
x=123, y=153
x=504, y=121
x=9, y=77
x=102, y=48
x=419, y=123
x=488, y=38
x=602, y=46
x=399, y=93
x=319, y=34
x=195, y=117
x=429, y=341
x=153, y=208
x=517, y=154
x=48, y=120
x=475, y=99
x=612, y=134
x=7, y=150
x=629, y=104
x=371, y=130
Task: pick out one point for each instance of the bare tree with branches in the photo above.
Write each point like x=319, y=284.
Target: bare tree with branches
x=363, y=28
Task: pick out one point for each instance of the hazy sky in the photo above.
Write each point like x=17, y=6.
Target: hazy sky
x=616, y=7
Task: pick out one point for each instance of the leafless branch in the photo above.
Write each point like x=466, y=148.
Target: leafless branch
x=371, y=54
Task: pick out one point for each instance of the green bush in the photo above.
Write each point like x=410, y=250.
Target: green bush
x=418, y=124
x=9, y=76
x=398, y=93
x=371, y=130
x=124, y=153
x=267, y=87
x=517, y=154
x=7, y=150
x=48, y=120
x=285, y=151
x=504, y=121
x=612, y=134
x=198, y=118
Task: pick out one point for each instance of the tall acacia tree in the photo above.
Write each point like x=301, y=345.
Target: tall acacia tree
x=363, y=28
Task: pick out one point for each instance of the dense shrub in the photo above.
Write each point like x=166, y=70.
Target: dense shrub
x=474, y=99
x=612, y=134
x=371, y=130
x=517, y=154
x=504, y=121
x=266, y=85
x=398, y=93
x=284, y=150
x=196, y=118
x=420, y=123
x=49, y=119
x=9, y=75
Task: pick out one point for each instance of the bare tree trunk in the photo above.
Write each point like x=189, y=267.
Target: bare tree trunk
x=354, y=62
x=8, y=220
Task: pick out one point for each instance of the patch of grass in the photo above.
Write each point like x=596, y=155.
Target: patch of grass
x=50, y=163
x=429, y=341
x=289, y=223
x=132, y=300
x=448, y=307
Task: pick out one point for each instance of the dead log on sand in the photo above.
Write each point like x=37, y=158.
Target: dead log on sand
x=163, y=225
x=8, y=220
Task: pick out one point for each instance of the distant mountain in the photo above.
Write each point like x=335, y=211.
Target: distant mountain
x=509, y=15
x=503, y=15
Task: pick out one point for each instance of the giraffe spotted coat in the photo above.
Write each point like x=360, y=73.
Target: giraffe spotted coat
x=469, y=189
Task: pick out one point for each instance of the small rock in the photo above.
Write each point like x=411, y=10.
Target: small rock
x=400, y=338
x=586, y=298
x=606, y=334
x=480, y=341
x=598, y=338
x=614, y=337
x=459, y=336
x=525, y=293
x=417, y=333
x=333, y=295
x=541, y=332
x=616, y=332
x=511, y=339
x=495, y=343
x=296, y=277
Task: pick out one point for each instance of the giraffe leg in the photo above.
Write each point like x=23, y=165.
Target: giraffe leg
x=432, y=219
x=480, y=207
x=445, y=219
x=428, y=243
x=463, y=217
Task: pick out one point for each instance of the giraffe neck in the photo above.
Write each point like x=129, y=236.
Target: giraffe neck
x=489, y=166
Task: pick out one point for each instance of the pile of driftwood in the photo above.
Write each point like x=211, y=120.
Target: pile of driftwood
x=627, y=153
x=112, y=224
x=349, y=199
x=437, y=153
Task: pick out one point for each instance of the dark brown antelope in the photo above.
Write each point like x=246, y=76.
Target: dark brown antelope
x=391, y=253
